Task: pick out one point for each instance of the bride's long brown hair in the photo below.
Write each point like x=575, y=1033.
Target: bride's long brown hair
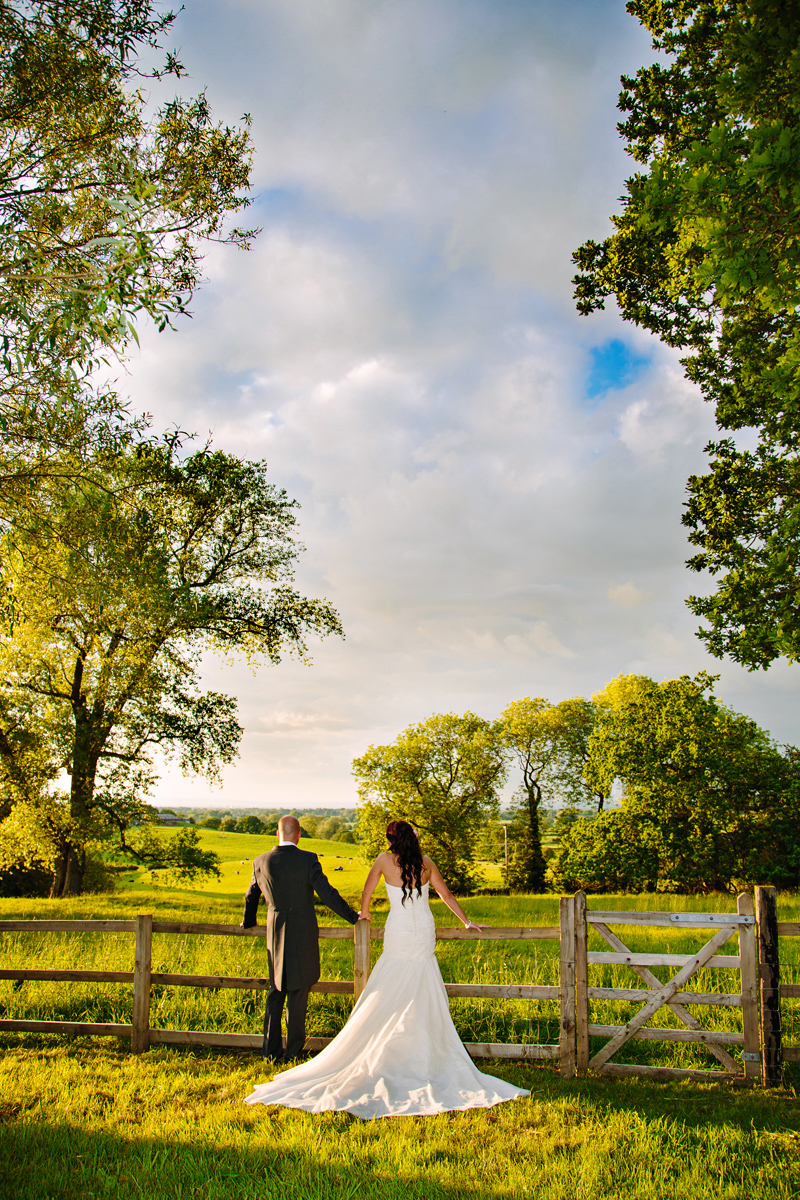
x=404, y=845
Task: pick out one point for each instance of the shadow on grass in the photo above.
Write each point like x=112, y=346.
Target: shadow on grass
x=61, y=1162
x=695, y=1105
x=689, y=1101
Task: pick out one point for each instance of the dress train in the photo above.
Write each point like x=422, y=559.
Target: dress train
x=399, y=1053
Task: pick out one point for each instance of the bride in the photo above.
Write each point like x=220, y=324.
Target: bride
x=399, y=1053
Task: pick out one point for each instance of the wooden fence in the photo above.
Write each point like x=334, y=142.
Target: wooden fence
x=143, y=978
x=657, y=995
x=771, y=930
x=757, y=960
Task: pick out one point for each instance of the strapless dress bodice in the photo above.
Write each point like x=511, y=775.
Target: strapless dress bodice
x=410, y=931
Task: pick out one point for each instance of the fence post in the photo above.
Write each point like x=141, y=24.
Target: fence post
x=567, y=987
x=361, y=931
x=140, y=1020
x=769, y=975
x=748, y=963
x=581, y=983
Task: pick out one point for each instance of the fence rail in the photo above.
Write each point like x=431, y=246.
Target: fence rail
x=656, y=995
x=143, y=979
x=786, y=991
x=755, y=926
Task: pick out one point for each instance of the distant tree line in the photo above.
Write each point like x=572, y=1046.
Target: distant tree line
x=646, y=787
x=268, y=816
x=332, y=829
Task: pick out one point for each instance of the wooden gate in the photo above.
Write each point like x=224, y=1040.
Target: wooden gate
x=672, y=994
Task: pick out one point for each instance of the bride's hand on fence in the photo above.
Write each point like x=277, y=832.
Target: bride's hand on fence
x=365, y=916
x=475, y=925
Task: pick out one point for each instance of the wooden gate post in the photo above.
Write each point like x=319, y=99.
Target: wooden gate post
x=769, y=974
x=140, y=1020
x=748, y=963
x=361, y=939
x=581, y=984
x=567, y=988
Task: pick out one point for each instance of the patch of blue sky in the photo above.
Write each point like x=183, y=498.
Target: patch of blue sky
x=309, y=211
x=613, y=365
x=280, y=202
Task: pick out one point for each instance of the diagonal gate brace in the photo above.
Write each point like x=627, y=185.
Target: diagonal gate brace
x=662, y=996
x=653, y=982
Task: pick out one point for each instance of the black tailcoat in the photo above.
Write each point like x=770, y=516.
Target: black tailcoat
x=288, y=877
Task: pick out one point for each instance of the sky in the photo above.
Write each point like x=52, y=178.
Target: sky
x=490, y=485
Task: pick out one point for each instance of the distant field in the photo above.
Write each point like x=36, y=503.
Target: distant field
x=344, y=865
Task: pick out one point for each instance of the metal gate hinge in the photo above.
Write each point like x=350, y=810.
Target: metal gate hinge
x=751, y=1056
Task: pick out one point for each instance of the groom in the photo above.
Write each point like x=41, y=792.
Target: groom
x=288, y=877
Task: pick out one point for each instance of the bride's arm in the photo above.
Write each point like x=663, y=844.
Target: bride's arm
x=447, y=896
x=375, y=872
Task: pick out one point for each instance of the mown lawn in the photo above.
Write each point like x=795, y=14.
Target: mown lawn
x=85, y=1118
x=344, y=865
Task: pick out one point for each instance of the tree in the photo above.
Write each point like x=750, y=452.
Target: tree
x=228, y=825
x=328, y=828
x=579, y=718
x=745, y=516
x=250, y=824
x=709, y=801
x=163, y=556
x=442, y=776
x=549, y=744
x=706, y=254
x=609, y=853
x=103, y=207
x=530, y=735
x=180, y=856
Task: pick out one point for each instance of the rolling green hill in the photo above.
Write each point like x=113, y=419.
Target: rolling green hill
x=344, y=864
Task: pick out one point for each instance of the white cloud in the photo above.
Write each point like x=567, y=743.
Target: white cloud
x=668, y=419
x=541, y=638
x=628, y=595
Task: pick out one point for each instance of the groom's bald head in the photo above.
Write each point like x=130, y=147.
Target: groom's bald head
x=289, y=829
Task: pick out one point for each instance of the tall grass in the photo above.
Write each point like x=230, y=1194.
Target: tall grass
x=513, y=962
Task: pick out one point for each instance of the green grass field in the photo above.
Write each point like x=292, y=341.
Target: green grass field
x=236, y=852
x=344, y=864
x=84, y=1118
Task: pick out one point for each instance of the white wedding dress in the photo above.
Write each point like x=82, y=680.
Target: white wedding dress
x=399, y=1053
